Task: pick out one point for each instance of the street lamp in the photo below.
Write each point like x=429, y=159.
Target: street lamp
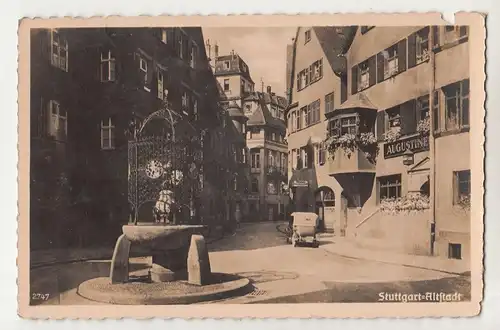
x=408, y=157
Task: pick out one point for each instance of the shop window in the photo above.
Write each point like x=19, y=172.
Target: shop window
x=461, y=186
x=59, y=51
x=226, y=85
x=389, y=186
x=255, y=185
x=329, y=102
x=457, y=105
x=307, y=36
x=454, y=251
x=108, y=66
x=107, y=134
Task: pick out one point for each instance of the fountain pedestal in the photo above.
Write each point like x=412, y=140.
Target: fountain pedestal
x=169, y=246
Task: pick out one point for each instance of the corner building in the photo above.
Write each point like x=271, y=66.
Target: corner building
x=393, y=121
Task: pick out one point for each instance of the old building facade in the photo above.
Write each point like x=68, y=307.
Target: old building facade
x=394, y=119
x=90, y=88
x=259, y=117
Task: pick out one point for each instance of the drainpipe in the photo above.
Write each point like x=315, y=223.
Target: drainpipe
x=432, y=144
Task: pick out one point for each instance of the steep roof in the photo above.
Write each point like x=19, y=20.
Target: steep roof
x=262, y=117
x=267, y=98
x=335, y=41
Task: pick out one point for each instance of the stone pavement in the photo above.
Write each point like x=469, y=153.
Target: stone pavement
x=354, y=249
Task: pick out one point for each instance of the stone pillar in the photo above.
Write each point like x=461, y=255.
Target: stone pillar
x=199, y=271
x=119, y=263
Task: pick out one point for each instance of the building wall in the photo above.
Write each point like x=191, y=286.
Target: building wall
x=364, y=221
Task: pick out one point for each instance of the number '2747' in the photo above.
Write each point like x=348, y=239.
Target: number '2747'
x=40, y=296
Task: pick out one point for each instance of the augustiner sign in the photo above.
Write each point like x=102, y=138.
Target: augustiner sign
x=415, y=144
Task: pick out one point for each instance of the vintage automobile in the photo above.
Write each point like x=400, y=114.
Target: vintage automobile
x=304, y=228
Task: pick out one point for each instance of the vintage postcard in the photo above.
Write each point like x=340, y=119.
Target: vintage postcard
x=251, y=166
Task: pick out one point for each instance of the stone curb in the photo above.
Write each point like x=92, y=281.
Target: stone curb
x=238, y=287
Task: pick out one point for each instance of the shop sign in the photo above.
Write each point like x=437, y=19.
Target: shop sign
x=415, y=144
x=299, y=183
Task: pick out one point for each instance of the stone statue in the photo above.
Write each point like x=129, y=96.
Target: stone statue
x=163, y=206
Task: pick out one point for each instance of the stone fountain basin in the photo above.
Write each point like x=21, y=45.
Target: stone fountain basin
x=161, y=235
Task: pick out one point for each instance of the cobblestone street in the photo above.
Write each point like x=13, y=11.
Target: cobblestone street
x=278, y=271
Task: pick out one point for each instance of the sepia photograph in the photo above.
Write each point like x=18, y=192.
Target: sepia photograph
x=195, y=165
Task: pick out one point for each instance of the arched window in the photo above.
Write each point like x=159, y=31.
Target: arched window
x=325, y=196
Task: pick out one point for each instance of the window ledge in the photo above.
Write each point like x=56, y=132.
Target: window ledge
x=443, y=133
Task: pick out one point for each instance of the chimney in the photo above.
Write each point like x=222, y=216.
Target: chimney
x=216, y=50
x=232, y=53
x=268, y=89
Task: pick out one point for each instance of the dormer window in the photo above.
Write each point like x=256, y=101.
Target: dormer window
x=227, y=65
x=307, y=36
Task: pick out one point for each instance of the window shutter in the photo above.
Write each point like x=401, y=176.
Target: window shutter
x=402, y=55
x=412, y=50
x=380, y=67
x=436, y=112
x=354, y=80
x=435, y=36
x=343, y=88
x=455, y=187
x=380, y=125
x=408, y=118
x=372, y=65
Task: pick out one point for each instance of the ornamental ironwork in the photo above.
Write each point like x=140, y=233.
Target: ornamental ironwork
x=165, y=167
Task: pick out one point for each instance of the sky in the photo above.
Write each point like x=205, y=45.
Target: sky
x=263, y=49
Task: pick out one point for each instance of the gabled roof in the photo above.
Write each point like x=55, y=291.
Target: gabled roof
x=262, y=117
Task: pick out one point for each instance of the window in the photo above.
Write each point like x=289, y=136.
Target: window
x=227, y=65
x=365, y=29
x=255, y=159
x=462, y=188
x=307, y=36
x=449, y=28
x=293, y=116
x=422, y=45
x=457, y=105
x=423, y=107
x=454, y=251
x=59, y=51
x=333, y=127
x=164, y=36
x=435, y=109
x=313, y=112
x=108, y=66
x=143, y=65
x=363, y=76
x=180, y=45
x=329, y=105
x=226, y=85
x=184, y=100
x=298, y=121
x=389, y=186
x=255, y=186
x=305, y=157
x=316, y=71
x=58, y=121
x=159, y=77
x=193, y=56
x=348, y=125
x=195, y=107
x=107, y=134
x=321, y=154
x=281, y=114
x=394, y=118
x=390, y=61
